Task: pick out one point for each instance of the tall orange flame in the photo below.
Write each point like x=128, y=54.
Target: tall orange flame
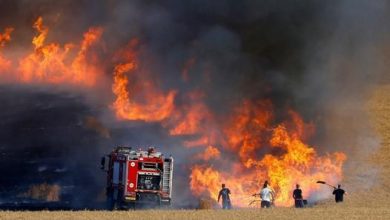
x=83, y=71
x=39, y=40
x=154, y=105
x=52, y=63
x=192, y=117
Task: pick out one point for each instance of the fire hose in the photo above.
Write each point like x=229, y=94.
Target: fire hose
x=259, y=200
x=319, y=182
x=323, y=182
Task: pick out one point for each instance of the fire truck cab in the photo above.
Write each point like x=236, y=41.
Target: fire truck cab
x=137, y=178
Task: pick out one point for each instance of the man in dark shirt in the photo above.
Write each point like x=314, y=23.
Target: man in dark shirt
x=297, y=195
x=339, y=194
x=224, y=193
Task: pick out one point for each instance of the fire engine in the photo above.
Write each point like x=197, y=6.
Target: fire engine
x=136, y=178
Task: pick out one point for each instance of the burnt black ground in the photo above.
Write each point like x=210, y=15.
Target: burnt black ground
x=43, y=140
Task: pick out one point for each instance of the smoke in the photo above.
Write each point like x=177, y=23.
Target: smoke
x=345, y=63
x=320, y=58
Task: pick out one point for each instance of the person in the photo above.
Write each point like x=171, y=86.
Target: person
x=266, y=195
x=339, y=194
x=224, y=193
x=297, y=195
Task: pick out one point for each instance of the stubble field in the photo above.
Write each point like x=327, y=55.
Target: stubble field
x=367, y=204
x=331, y=212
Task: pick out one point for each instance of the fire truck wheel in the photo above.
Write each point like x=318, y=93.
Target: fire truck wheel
x=165, y=205
x=158, y=202
x=111, y=203
x=131, y=205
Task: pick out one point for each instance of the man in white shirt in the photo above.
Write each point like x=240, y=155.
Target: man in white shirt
x=267, y=196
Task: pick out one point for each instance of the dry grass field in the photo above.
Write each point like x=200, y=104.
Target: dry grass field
x=371, y=204
x=338, y=212
x=380, y=111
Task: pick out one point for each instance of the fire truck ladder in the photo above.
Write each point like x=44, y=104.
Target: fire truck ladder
x=167, y=175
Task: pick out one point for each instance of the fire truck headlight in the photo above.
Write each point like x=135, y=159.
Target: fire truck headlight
x=131, y=185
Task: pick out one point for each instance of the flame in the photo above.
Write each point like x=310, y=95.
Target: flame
x=83, y=71
x=154, y=105
x=245, y=132
x=39, y=40
x=6, y=36
x=191, y=117
x=201, y=141
x=5, y=64
x=200, y=185
x=191, y=121
x=265, y=152
x=209, y=153
x=52, y=63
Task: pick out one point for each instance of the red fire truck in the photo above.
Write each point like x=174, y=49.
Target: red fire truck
x=136, y=178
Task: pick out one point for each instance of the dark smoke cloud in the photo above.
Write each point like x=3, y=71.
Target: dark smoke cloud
x=344, y=63
x=318, y=57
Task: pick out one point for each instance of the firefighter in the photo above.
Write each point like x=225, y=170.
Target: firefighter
x=339, y=194
x=267, y=195
x=224, y=193
x=297, y=195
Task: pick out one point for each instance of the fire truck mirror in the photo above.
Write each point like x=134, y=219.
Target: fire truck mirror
x=104, y=163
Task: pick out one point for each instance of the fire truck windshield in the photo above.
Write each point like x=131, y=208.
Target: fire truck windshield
x=148, y=182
